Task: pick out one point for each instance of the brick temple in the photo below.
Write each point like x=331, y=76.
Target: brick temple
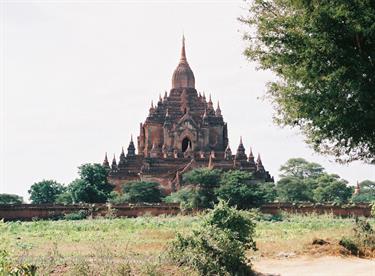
x=182, y=131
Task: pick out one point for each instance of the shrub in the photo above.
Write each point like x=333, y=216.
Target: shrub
x=362, y=242
x=217, y=245
x=81, y=214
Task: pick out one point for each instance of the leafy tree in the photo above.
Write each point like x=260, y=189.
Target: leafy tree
x=92, y=186
x=241, y=189
x=64, y=198
x=205, y=180
x=323, y=53
x=10, y=199
x=331, y=188
x=45, y=191
x=293, y=189
x=367, y=192
x=190, y=197
x=300, y=168
x=142, y=191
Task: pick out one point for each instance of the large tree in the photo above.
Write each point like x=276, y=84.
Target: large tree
x=45, y=191
x=241, y=189
x=92, y=186
x=323, y=53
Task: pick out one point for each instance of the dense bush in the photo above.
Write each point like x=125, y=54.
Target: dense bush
x=217, y=245
x=81, y=214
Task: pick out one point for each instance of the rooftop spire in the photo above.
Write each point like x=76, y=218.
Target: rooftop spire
x=183, y=53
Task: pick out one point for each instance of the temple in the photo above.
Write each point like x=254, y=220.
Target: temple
x=182, y=131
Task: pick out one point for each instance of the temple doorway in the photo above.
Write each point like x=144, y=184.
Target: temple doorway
x=185, y=144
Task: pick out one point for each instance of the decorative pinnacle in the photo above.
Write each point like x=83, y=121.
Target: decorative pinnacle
x=160, y=99
x=183, y=53
x=259, y=160
x=152, y=104
x=131, y=138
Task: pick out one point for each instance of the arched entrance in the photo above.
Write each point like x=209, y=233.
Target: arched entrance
x=185, y=144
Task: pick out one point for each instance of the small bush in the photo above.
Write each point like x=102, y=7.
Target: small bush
x=362, y=242
x=217, y=245
x=81, y=214
x=350, y=245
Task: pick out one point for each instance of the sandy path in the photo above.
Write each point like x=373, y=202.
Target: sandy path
x=322, y=266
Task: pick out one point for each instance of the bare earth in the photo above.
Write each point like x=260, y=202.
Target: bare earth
x=322, y=266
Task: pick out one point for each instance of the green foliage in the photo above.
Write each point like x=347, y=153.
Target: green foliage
x=81, y=214
x=204, y=177
x=142, y=191
x=190, y=197
x=64, y=198
x=92, y=186
x=362, y=241
x=300, y=168
x=45, y=191
x=293, y=189
x=204, y=186
x=217, y=245
x=323, y=53
x=241, y=189
x=205, y=181
x=331, y=188
x=241, y=224
x=10, y=199
x=305, y=181
x=367, y=192
x=373, y=209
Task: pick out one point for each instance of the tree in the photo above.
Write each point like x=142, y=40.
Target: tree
x=10, y=199
x=367, y=192
x=300, y=168
x=239, y=188
x=323, y=53
x=205, y=181
x=142, y=191
x=189, y=197
x=293, y=189
x=92, y=186
x=331, y=188
x=45, y=191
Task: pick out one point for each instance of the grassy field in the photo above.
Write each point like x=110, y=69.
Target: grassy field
x=137, y=245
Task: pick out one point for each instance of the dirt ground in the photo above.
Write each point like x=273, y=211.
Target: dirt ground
x=312, y=266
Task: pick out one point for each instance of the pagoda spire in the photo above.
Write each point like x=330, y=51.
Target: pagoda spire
x=251, y=157
x=218, y=110
x=183, y=52
x=114, y=163
x=131, y=148
x=241, y=155
x=105, y=162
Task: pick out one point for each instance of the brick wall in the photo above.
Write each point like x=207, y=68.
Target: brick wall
x=49, y=211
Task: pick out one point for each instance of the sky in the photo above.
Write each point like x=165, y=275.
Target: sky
x=77, y=78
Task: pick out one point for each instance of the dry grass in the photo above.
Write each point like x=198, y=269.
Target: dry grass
x=136, y=245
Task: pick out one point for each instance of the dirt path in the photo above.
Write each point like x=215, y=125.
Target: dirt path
x=322, y=266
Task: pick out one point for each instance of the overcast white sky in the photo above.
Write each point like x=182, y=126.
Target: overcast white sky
x=77, y=78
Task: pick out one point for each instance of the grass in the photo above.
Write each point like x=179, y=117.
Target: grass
x=131, y=246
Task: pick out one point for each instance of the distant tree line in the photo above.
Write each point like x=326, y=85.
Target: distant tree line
x=300, y=181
